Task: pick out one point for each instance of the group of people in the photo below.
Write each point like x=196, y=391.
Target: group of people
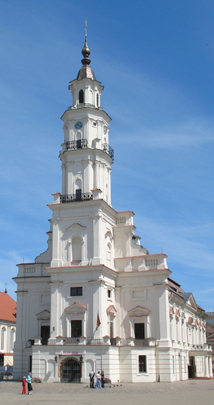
x=100, y=379
x=27, y=382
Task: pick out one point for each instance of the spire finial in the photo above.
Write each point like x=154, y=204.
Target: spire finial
x=86, y=51
x=86, y=23
x=86, y=71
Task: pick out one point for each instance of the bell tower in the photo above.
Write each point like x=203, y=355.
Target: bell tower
x=86, y=155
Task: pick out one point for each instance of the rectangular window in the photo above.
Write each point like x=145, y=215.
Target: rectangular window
x=142, y=364
x=75, y=291
x=45, y=334
x=76, y=329
x=109, y=293
x=139, y=331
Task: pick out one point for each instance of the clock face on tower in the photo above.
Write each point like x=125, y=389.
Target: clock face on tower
x=78, y=125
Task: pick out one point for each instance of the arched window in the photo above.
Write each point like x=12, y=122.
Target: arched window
x=98, y=100
x=78, y=189
x=76, y=249
x=13, y=338
x=81, y=96
x=3, y=339
x=79, y=142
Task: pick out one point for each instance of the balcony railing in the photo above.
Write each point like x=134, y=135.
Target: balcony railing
x=71, y=341
x=76, y=197
x=96, y=341
x=142, y=342
x=79, y=144
x=83, y=143
x=107, y=148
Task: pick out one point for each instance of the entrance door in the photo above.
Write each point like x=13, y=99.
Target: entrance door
x=79, y=144
x=71, y=371
x=191, y=367
x=78, y=194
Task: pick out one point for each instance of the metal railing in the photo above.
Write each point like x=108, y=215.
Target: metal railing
x=79, y=144
x=83, y=143
x=107, y=148
x=95, y=341
x=141, y=342
x=71, y=341
x=76, y=197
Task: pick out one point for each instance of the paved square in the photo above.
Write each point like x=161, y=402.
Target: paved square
x=191, y=392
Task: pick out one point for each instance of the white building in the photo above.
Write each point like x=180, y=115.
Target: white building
x=95, y=270
x=7, y=329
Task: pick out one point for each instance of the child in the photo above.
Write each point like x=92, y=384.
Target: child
x=24, y=385
x=29, y=384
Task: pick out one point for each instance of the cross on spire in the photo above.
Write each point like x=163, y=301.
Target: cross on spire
x=86, y=24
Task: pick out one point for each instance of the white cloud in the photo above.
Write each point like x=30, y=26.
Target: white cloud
x=185, y=245
x=189, y=133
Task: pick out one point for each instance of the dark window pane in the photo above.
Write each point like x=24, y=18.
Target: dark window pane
x=142, y=364
x=45, y=334
x=30, y=363
x=139, y=331
x=81, y=96
x=79, y=144
x=76, y=291
x=78, y=194
x=76, y=329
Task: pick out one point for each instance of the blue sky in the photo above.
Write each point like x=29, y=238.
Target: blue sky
x=155, y=59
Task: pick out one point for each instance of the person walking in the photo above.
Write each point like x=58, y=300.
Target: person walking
x=102, y=379
x=29, y=384
x=92, y=375
x=98, y=377
x=24, y=385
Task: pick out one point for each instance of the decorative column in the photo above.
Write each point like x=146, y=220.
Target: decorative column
x=55, y=243
x=96, y=238
x=55, y=309
x=210, y=367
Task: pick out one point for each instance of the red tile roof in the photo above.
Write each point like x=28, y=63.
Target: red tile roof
x=7, y=307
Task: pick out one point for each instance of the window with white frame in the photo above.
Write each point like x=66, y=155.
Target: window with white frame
x=142, y=366
x=139, y=323
x=76, y=328
x=76, y=249
x=139, y=330
x=3, y=339
x=76, y=291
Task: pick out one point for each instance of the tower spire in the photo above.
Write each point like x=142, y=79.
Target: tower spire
x=86, y=71
x=86, y=51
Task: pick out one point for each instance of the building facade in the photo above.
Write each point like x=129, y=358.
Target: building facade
x=210, y=332
x=7, y=329
x=96, y=299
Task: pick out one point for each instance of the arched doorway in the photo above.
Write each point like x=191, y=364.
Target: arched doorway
x=70, y=371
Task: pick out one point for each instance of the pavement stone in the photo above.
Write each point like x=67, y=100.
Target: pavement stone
x=191, y=392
